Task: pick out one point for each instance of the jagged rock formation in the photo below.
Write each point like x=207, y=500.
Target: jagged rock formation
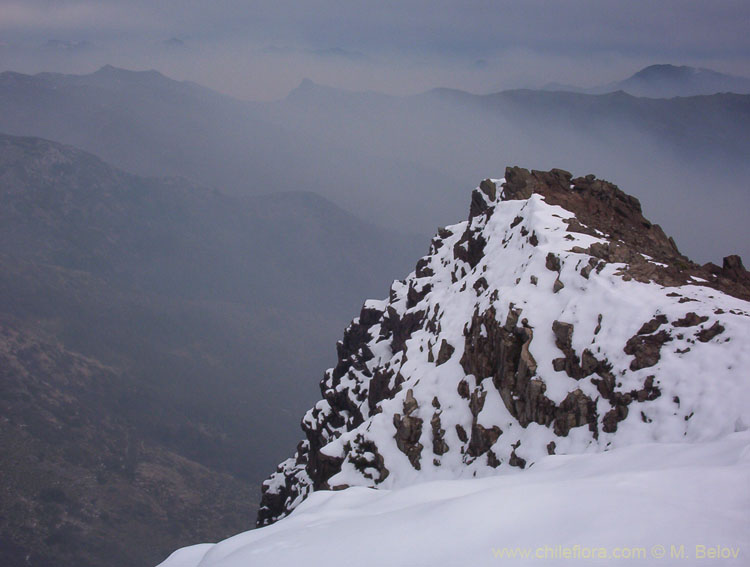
x=557, y=319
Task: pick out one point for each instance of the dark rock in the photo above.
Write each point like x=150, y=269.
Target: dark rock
x=445, y=353
x=408, y=432
x=482, y=439
x=552, y=262
x=733, y=268
x=481, y=198
x=516, y=461
x=520, y=184
x=481, y=285
x=478, y=204
x=324, y=467
x=576, y=409
x=586, y=270
x=439, y=446
x=444, y=233
x=470, y=248
x=461, y=432
x=422, y=269
x=648, y=392
x=492, y=460
x=489, y=188
x=598, y=324
x=613, y=417
x=706, y=335
x=380, y=387
x=414, y=296
x=652, y=325
x=399, y=329
x=463, y=389
x=691, y=319
x=410, y=404
x=563, y=333
x=476, y=402
x=646, y=349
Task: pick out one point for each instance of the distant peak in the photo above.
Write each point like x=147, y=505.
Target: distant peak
x=108, y=69
x=308, y=88
x=306, y=83
x=665, y=69
x=111, y=70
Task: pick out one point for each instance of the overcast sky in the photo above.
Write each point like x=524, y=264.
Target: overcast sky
x=262, y=49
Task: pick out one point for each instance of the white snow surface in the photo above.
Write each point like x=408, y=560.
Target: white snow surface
x=647, y=504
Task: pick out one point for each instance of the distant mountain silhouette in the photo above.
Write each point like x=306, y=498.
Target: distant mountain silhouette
x=666, y=81
x=397, y=160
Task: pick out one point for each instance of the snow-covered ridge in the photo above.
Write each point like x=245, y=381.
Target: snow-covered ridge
x=555, y=320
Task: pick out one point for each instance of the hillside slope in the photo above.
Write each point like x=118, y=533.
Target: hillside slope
x=152, y=331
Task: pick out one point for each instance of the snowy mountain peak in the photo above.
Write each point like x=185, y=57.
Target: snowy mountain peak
x=555, y=320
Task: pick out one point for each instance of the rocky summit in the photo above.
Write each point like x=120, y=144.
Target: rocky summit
x=555, y=320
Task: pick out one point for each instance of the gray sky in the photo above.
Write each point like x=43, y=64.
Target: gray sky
x=262, y=49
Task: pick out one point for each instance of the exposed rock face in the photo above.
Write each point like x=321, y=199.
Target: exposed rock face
x=550, y=322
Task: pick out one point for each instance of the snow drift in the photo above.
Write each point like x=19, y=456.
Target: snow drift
x=655, y=504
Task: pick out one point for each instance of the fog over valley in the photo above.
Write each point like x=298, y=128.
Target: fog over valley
x=406, y=162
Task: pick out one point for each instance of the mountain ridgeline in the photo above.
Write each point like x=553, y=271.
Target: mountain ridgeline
x=556, y=320
x=402, y=161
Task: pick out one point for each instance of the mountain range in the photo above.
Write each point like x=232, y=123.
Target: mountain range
x=398, y=161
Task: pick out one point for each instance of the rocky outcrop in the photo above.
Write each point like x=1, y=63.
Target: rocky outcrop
x=551, y=321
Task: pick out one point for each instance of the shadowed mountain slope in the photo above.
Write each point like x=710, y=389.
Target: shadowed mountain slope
x=153, y=333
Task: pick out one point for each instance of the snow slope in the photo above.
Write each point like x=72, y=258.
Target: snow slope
x=642, y=505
